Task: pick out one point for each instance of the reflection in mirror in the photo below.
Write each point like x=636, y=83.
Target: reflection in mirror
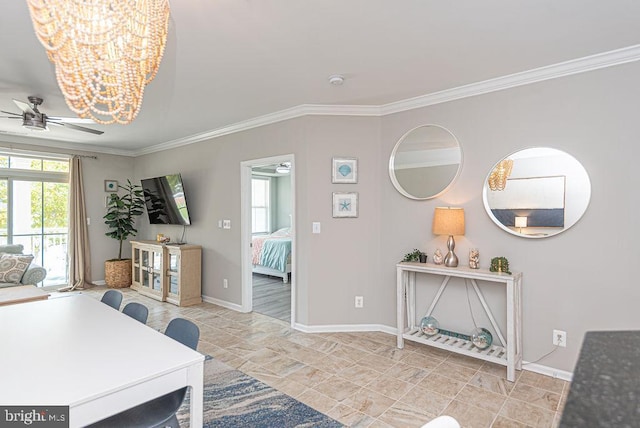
x=425, y=162
x=537, y=192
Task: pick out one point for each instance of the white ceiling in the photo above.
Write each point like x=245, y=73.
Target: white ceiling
x=229, y=61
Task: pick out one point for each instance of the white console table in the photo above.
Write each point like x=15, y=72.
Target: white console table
x=509, y=354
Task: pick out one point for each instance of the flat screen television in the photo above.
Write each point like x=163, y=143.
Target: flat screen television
x=165, y=200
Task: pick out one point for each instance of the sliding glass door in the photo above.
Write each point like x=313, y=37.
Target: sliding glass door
x=34, y=211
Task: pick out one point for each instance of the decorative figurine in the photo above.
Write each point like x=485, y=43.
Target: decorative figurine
x=429, y=326
x=437, y=257
x=481, y=338
x=474, y=258
x=500, y=264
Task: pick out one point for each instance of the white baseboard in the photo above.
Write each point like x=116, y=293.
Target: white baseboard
x=223, y=303
x=547, y=371
x=99, y=282
x=347, y=328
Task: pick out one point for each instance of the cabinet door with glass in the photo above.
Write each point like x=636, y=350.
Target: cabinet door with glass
x=183, y=275
x=173, y=275
x=148, y=264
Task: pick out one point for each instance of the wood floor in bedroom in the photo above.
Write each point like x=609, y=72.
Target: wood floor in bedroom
x=272, y=297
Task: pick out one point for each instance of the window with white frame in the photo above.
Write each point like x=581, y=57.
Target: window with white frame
x=34, y=210
x=260, y=205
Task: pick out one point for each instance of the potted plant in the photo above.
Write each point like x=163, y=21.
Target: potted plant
x=120, y=218
x=415, y=256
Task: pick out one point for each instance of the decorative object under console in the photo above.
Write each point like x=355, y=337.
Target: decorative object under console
x=169, y=273
x=509, y=354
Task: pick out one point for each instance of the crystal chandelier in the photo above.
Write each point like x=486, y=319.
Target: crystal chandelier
x=105, y=52
x=498, y=177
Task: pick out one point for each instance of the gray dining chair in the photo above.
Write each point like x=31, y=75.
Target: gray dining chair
x=137, y=311
x=112, y=298
x=184, y=331
x=159, y=412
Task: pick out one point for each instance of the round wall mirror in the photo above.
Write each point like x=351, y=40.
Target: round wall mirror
x=425, y=162
x=537, y=192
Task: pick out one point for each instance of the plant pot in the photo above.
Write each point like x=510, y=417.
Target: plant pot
x=117, y=273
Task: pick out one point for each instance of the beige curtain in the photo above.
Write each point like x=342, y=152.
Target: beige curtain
x=78, y=248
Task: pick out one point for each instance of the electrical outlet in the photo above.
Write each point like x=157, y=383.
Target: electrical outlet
x=225, y=283
x=359, y=302
x=560, y=338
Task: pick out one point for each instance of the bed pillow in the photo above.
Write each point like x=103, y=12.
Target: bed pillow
x=285, y=231
x=13, y=267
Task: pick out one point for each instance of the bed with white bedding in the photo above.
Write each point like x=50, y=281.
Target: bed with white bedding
x=271, y=254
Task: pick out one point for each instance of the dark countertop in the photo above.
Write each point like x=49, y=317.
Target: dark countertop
x=605, y=390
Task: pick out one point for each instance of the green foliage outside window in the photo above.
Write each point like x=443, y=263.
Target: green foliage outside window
x=39, y=190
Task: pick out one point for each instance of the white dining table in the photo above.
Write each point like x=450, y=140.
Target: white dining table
x=76, y=351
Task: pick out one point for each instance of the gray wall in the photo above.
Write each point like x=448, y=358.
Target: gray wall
x=328, y=275
x=575, y=281
x=283, y=202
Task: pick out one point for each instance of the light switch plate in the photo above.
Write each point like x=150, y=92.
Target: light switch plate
x=315, y=227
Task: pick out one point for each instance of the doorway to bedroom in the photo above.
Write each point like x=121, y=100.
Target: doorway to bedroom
x=268, y=237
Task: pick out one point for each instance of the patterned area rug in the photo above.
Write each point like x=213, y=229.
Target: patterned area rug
x=234, y=399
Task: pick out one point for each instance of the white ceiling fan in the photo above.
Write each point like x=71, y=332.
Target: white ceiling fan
x=33, y=119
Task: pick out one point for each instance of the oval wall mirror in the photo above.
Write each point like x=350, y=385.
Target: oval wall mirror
x=425, y=162
x=536, y=192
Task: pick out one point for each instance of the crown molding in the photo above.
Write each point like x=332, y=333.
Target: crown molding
x=567, y=68
x=268, y=119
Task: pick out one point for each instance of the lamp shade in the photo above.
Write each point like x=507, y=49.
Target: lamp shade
x=520, y=221
x=448, y=221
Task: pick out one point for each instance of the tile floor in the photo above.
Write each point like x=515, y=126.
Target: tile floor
x=362, y=379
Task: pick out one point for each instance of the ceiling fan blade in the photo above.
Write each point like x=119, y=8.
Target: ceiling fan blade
x=12, y=113
x=76, y=127
x=72, y=120
x=24, y=107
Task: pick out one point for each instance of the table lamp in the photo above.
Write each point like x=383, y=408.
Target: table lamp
x=449, y=221
x=520, y=222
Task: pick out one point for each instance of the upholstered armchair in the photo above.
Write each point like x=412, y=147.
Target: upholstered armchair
x=14, y=269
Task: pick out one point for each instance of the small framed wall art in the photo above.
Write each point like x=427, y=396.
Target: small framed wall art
x=110, y=186
x=345, y=204
x=344, y=170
